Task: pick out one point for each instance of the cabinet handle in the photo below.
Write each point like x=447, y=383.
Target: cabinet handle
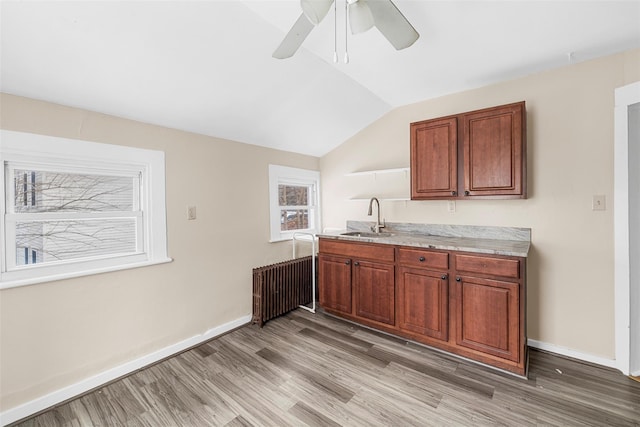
x=421, y=259
x=458, y=279
x=466, y=193
x=444, y=277
x=356, y=263
x=347, y=262
x=454, y=193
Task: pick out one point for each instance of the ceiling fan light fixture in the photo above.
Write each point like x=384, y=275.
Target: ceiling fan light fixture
x=315, y=10
x=360, y=17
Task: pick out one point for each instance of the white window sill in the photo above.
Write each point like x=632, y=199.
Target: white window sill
x=42, y=279
x=282, y=239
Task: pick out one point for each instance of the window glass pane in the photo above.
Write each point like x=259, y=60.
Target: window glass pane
x=294, y=219
x=293, y=195
x=50, y=241
x=47, y=191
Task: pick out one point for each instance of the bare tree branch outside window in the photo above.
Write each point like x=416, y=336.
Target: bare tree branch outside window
x=42, y=239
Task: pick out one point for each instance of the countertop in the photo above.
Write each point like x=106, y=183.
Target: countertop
x=486, y=240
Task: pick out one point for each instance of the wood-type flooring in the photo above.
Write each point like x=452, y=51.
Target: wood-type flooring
x=312, y=369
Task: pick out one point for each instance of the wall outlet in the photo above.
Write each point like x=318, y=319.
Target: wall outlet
x=451, y=206
x=191, y=213
x=599, y=203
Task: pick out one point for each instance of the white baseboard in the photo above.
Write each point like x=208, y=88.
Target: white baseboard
x=19, y=412
x=610, y=363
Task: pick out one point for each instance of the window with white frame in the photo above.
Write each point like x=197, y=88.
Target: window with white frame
x=294, y=201
x=72, y=208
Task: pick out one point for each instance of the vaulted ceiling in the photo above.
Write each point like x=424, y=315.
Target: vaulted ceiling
x=206, y=66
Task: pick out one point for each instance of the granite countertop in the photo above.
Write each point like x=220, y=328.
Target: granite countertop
x=508, y=241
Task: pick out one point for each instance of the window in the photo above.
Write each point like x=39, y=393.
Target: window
x=72, y=208
x=30, y=256
x=294, y=200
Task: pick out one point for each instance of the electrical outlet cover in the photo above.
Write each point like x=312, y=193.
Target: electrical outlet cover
x=451, y=206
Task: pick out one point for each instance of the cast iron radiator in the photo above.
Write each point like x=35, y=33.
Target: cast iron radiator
x=280, y=288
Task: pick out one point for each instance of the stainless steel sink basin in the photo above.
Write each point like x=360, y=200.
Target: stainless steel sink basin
x=366, y=234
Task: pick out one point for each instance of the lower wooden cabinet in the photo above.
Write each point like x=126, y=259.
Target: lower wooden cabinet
x=358, y=280
x=488, y=316
x=423, y=302
x=335, y=292
x=472, y=305
x=374, y=291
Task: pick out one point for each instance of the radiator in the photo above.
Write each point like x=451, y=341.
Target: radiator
x=280, y=288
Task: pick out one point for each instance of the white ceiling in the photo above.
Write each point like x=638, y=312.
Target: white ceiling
x=206, y=66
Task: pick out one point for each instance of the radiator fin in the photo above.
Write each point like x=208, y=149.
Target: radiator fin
x=280, y=288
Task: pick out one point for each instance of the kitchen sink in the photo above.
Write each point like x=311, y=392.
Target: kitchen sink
x=366, y=234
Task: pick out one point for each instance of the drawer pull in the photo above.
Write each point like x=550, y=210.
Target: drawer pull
x=347, y=262
x=421, y=258
x=356, y=263
x=458, y=279
x=444, y=277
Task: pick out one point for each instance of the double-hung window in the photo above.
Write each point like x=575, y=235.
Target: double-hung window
x=72, y=208
x=294, y=200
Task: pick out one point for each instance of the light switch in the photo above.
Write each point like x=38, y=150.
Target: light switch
x=599, y=203
x=191, y=213
x=451, y=206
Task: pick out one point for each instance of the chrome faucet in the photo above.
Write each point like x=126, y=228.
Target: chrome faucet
x=376, y=228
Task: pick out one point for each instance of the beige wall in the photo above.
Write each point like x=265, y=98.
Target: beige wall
x=570, y=159
x=58, y=333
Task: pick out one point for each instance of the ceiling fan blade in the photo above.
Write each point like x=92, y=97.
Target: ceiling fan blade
x=360, y=17
x=315, y=10
x=294, y=38
x=392, y=23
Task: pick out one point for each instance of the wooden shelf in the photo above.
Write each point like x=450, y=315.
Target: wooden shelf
x=382, y=199
x=378, y=171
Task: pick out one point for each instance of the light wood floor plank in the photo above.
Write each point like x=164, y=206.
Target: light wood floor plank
x=316, y=370
x=310, y=416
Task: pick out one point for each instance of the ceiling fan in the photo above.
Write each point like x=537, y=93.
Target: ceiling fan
x=363, y=14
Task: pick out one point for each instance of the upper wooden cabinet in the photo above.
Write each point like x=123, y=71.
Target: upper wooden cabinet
x=480, y=154
x=434, y=158
x=494, y=151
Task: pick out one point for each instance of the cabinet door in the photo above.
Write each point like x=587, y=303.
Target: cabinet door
x=423, y=302
x=334, y=279
x=494, y=151
x=434, y=158
x=374, y=288
x=488, y=316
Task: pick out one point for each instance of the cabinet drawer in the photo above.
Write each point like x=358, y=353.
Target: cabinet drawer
x=423, y=258
x=490, y=266
x=357, y=250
